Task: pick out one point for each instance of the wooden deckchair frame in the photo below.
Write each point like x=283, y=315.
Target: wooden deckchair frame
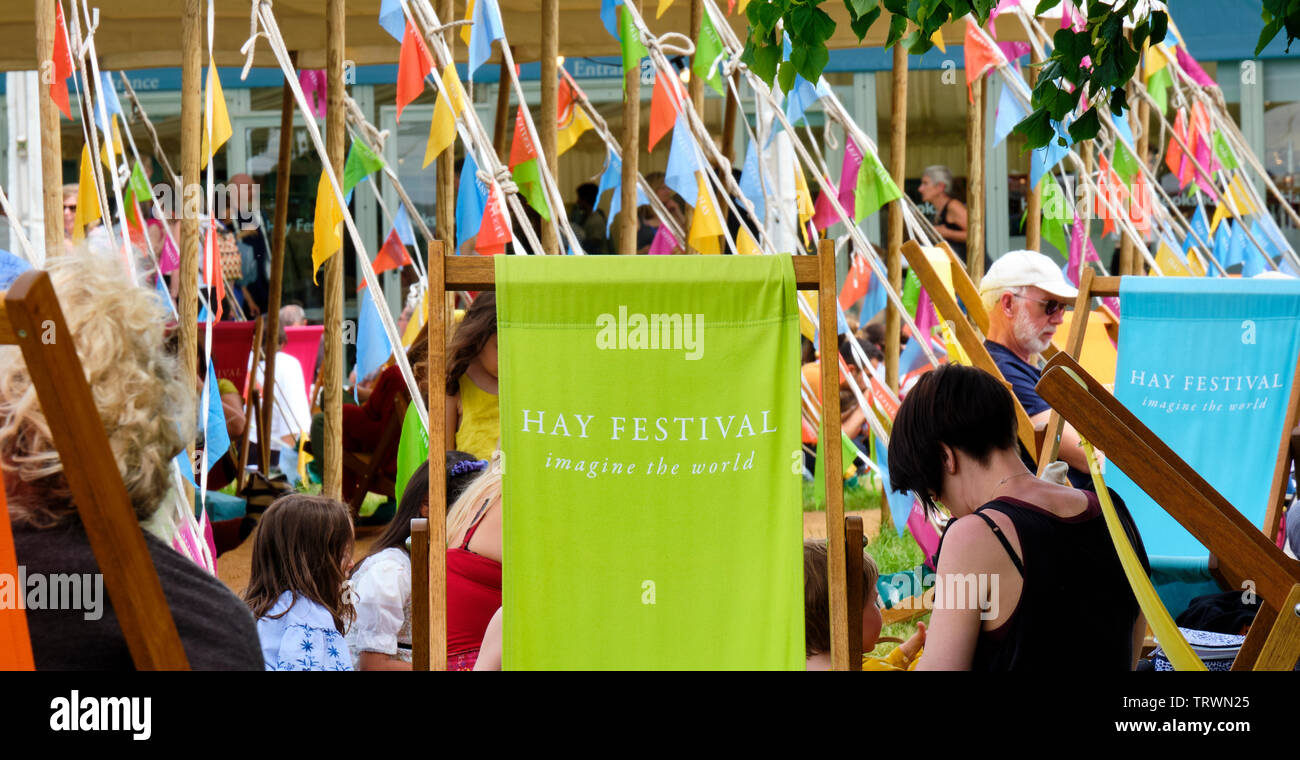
x=1104, y=287
x=475, y=273
x=29, y=313
x=1273, y=642
x=971, y=341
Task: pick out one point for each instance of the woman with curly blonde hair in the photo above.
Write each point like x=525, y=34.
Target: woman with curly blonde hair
x=148, y=413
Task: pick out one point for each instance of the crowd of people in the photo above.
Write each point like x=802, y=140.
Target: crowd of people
x=311, y=603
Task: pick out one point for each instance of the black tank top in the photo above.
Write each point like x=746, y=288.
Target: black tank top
x=941, y=217
x=1075, y=601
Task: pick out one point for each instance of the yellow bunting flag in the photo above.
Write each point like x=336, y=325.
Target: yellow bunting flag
x=87, y=197
x=451, y=102
x=1240, y=197
x=745, y=244
x=327, y=232
x=663, y=6
x=806, y=208
x=1221, y=212
x=221, y=129
x=469, y=16
x=571, y=130
x=1194, y=264
x=937, y=39
x=1169, y=263
x=115, y=143
x=1154, y=61
x=706, y=226
x=806, y=326
x=419, y=318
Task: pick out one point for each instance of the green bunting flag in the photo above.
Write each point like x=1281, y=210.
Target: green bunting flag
x=1057, y=214
x=137, y=191
x=848, y=451
x=1224, y=153
x=1125, y=163
x=529, y=180
x=911, y=293
x=708, y=48
x=361, y=162
x=875, y=188
x=652, y=485
x=633, y=49
x=1158, y=86
x=412, y=448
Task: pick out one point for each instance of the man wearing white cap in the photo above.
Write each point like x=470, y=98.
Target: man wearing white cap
x=1026, y=295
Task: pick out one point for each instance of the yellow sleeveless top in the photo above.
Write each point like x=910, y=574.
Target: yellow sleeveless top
x=480, y=428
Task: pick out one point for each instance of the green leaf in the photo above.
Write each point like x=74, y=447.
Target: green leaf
x=785, y=76
x=863, y=24
x=1118, y=101
x=897, y=26
x=1267, y=34
x=1086, y=126
x=763, y=60
x=1044, y=5
x=1037, y=129
x=1141, y=32
x=861, y=8
x=1159, y=26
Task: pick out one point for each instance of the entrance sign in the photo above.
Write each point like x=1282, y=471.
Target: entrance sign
x=650, y=425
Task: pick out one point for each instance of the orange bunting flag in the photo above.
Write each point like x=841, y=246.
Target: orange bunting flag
x=705, y=223
x=522, y=147
x=856, y=282
x=1174, y=159
x=570, y=120
x=442, y=130
x=62, y=63
x=494, y=230
x=212, y=270
x=327, y=230
x=981, y=55
x=392, y=255
x=664, y=105
x=414, y=64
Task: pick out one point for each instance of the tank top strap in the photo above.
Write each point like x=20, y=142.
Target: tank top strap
x=1002, y=539
x=473, y=526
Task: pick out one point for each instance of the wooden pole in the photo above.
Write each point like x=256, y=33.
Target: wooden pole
x=826, y=310
x=975, y=181
x=187, y=299
x=897, y=167
x=436, y=561
x=696, y=86
x=501, y=126
x=1034, y=209
x=546, y=130
x=331, y=375
x=627, y=224
x=276, y=286
x=1142, y=137
x=51, y=142
x=445, y=207
x=729, y=123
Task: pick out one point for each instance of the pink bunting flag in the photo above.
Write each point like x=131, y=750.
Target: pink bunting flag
x=849, y=176
x=926, y=536
x=997, y=10
x=1013, y=50
x=824, y=211
x=1112, y=303
x=926, y=319
x=169, y=259
x=1071, y=18
x=315, y=87
x=1204, y=157
x=1081, y=251
x=665, y=242
x=1193, y=69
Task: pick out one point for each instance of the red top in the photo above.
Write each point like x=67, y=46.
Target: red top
x=473, y=595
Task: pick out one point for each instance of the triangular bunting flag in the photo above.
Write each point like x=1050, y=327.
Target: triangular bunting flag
x=875, y=188
x=494, y=232
x=487, y=28
x=327, y=229
x=981, y=55
x=450, y=104
x=571, y=120
x=663, y=107
x=708, y=51
x=361, y=162
x=521, y=147
x=706, y=226
x=221, y=129
x=413, y=65
x=62, y=63
x=87, y=197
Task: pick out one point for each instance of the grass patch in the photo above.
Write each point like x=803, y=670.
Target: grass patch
x=856, y=497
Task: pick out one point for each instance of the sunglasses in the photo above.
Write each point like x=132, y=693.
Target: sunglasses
x=1049, y=307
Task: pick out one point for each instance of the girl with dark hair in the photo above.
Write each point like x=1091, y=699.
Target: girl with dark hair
x=471, y=383
x=380, y=639
x=296, y=588
x=1026, y=569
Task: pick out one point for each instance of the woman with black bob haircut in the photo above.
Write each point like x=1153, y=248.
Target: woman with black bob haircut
x=1046, y=578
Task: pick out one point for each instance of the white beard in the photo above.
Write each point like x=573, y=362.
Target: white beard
x=1028, y=334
